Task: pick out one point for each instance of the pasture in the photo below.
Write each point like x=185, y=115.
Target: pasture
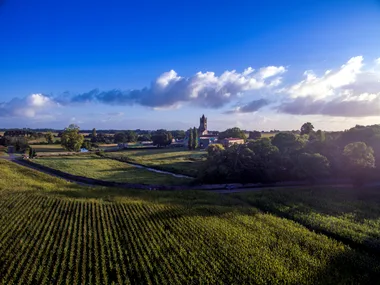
x=55, y=232
x=174, y=160
x=93, y=166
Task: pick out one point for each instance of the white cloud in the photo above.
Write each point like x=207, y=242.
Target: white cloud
x=350, y=91
x=329, y=83
x=377, y=61
x=270, y=71
x=29, y=106
x=204, y=89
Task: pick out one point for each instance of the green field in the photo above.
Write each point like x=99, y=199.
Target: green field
x=55, y=232
x=352, y=214
x=169, y=159
x=93, y=166
x=46, y=148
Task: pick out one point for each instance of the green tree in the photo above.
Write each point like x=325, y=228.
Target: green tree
x=120, y=138
x=307, y=128
x=232, y=133
x=214, y=149
x=144, y=138
x=311, y=166
x=195, y=138
x=49, y=137
x=162, y=138
x=359, y=159
x=93, y=133
x=288, y=143
x=131, y=136
x=190, y=139
x=71, y=139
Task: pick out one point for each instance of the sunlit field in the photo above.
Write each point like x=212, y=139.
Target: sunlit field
x=180, y=161
x=54, y=232
x=93, y=166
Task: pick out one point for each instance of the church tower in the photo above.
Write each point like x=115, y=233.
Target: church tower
x=202, y=130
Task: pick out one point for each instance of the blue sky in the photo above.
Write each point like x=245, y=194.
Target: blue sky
x=144, y=57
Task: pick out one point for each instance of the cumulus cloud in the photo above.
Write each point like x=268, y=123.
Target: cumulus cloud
x=207, y=89
x=349, y=91
x=251, y=107
x=327, y=84
x=29, y=106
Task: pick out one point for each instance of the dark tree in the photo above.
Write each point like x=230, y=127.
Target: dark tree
x=307, y=128
x=162, y=138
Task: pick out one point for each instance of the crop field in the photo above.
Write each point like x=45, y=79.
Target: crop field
x=351, y=214
x=93, y=166
x=46, y=148
x=55, y=232
x=173, y=160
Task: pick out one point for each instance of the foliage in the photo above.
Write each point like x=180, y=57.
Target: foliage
x=288, y=143
x=254, y=135
x=307, y=128
x=190, y=139
x=311, y=166
x=32, y=153
x=194, y=144
x=162, y=138
x=214, y=149
x=49, y=137
x=232, y=133
x=87, y=145
x=71, y=139
x=359, y=160
x=178, y=134
x=144, y=138
x=93, y=135
x=116, y=236
x=20, y=143
x=125, y=137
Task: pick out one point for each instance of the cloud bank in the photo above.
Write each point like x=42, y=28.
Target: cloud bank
x=351, y=90
x=202, y=89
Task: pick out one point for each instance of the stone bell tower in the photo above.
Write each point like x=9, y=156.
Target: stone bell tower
x=202, y=130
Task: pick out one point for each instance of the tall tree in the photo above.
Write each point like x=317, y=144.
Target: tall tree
x=307, y=128
x=71, y=139
x=195, y=138
x=162, y=138
x=49, y=137
x=190, y=139
x=93, y=133
x=359, y=160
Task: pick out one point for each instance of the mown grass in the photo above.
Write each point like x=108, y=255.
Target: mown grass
x=96, y=167
x=53, y=231
x=349, y=213
x=179, y=161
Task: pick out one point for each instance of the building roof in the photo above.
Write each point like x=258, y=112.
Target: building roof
x=233, y=139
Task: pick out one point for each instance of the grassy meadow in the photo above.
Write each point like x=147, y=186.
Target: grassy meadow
x=347, y=213
x=180, y=161
x=55, y=232
x=93, y=166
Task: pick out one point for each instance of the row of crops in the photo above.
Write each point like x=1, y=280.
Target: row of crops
x=54, y=240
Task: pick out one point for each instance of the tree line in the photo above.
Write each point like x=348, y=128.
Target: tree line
x=311, y=155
